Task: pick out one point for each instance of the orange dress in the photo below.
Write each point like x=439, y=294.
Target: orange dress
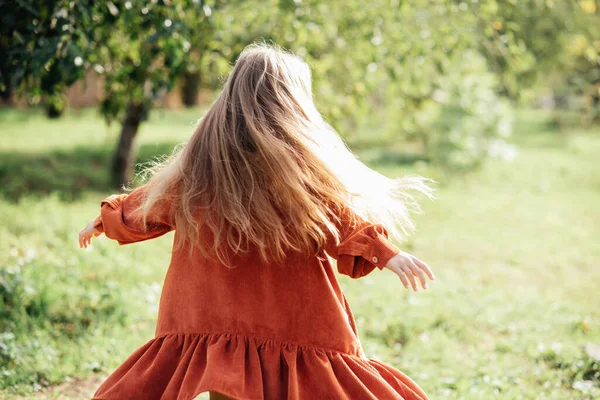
x=280, y=331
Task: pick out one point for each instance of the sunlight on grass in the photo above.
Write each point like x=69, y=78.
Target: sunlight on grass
x=514, y=247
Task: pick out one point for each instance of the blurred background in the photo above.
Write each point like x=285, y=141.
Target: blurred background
x=497, y=100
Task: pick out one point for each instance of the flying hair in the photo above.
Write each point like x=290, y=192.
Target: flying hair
x=264, y=171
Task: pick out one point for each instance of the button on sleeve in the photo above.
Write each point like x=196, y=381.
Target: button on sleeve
x=363, y=247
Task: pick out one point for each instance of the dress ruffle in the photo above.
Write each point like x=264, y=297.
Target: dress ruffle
x=183, y=365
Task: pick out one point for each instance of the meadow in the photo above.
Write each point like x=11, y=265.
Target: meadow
x=515, y=247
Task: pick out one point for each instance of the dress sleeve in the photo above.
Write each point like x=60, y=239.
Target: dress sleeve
x=363, y=247
x=119, y=220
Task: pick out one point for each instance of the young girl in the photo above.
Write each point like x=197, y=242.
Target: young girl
x=260, y=196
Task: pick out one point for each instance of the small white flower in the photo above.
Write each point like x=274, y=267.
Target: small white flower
x=583, y=386
x=62, y=13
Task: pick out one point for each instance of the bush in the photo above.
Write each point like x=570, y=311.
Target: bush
x=463, y=120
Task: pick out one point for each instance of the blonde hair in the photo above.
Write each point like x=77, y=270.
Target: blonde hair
x=264, y=170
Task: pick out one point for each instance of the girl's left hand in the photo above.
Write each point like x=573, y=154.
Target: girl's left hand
x=86, y=235
x=407, y=267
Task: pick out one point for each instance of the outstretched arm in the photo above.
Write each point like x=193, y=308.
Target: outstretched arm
x=120, y=220
x=365, y=246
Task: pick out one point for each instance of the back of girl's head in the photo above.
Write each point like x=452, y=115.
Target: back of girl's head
x=263, y=170
x=268, y=84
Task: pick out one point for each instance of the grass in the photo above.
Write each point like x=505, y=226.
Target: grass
x=515, y=248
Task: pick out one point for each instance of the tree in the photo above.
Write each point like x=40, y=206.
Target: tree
x=433, y=71
x=581, y=64
x=139, y=47
x=360, y=58
x=413, y=65
x=38, y=46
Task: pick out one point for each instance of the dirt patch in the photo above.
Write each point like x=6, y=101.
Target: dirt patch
x=74, y=389
x=78, y=388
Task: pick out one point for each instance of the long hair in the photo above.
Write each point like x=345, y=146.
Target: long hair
x=264, y=170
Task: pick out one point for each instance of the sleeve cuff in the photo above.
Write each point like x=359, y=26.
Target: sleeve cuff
x=381, y=251
x=98, y=224
x=113, y=201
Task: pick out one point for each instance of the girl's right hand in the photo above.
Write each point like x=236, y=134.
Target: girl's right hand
x=407, y=266
x=86, y=235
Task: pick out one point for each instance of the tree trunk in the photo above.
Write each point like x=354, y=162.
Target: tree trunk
x=53, y=111
x=55, y=105
x=7, y=95
x=122, y=172
x=190, y=88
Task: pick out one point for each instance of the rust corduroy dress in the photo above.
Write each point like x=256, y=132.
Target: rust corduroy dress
x=280, y=331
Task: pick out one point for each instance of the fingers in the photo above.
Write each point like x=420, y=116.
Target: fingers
x=84, y=240
x=424, y=267
x=402, y=277
x=409, y=268
x=87, y=234
x=408, y=272
x=419, y=274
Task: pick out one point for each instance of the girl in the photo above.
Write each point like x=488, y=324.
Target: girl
x=260, y=196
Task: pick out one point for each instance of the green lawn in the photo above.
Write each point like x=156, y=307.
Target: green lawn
x=515, y=247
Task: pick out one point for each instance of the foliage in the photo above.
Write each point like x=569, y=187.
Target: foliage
x=139, y=47
x=58, y=312
x=144, y=47
x=551, y=46
x=417, y=64
x=582, y=374
x=580, y=66
x=427, y=79
x=466, y=121
x=38, y=45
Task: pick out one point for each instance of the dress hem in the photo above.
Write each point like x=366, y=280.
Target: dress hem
x=221, y=390
x=262, y=338
x=182, y=365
